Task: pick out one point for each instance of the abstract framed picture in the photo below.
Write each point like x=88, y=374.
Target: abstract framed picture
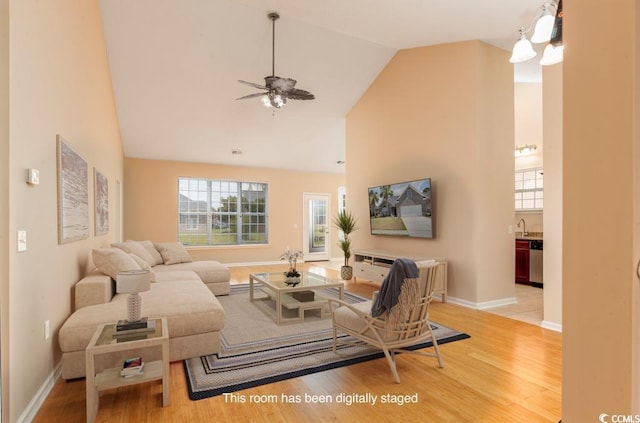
x=73, y=194
x=101, y=189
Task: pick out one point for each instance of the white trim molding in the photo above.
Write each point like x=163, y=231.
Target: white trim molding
x=29, y=413
x=546, y=324
x=485, y=304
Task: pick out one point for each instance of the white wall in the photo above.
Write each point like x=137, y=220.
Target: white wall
x=528, y=122
x=454, y=123
x=552, y=77
x=597, y=246
x=4, y=209
x=59, y=84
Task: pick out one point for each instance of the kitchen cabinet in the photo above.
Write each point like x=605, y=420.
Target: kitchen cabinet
x=522, y=261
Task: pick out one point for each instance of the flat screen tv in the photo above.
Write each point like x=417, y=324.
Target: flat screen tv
x=402, y=209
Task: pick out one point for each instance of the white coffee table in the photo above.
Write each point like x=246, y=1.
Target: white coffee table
x=103, y=342
x=274, y=286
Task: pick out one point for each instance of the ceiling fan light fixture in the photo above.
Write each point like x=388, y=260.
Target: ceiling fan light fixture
x=278, y=89
x=274, y=100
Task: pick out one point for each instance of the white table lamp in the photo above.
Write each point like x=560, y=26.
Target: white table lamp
x=133, y=282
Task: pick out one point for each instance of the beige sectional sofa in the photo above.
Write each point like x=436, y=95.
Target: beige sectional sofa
x=181, y=292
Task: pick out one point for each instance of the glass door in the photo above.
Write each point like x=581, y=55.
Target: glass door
x=316, y=226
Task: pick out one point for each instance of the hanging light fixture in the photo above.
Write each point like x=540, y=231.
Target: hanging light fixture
x=545, y=28
x=525, y=149
x=522, y=50
x=554, y=52
x=552, y=55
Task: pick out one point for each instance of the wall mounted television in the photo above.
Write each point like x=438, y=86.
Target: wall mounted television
x=402, y=209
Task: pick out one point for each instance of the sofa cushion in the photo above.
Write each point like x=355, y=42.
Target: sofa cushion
x=95, y=288
x=112, y=261
x=173, y=253
x=151, y=249
x=176, y=275
x=210, y=271
x=133, y=247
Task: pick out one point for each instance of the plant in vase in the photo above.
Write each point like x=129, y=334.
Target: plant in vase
x=346, y=222
x=292, y=275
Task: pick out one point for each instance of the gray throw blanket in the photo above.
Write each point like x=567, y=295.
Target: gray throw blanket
x=390, y=290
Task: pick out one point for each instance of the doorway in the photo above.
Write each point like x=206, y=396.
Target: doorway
x=315, y=226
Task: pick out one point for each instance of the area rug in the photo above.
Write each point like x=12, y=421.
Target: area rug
x=255, y=351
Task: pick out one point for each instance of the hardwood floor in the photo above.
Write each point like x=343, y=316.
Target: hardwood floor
x=508, y=371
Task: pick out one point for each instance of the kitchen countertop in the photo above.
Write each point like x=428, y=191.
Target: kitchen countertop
x=533, y=236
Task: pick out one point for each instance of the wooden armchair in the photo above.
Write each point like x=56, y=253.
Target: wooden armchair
x=396, y=330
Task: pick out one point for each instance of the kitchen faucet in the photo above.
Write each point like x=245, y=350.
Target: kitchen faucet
x=524, y=227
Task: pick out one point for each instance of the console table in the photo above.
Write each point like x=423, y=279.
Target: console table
x=374, y=265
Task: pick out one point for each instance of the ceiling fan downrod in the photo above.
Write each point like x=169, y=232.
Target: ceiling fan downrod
x=274, y=17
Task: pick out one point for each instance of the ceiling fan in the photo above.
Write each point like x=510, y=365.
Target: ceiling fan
x=278, y=90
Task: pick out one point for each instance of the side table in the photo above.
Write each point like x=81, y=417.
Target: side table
x=103, y=342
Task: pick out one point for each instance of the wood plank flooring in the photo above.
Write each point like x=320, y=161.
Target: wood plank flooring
x=508, y=371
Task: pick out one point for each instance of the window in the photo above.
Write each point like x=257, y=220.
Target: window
x=342, y=198
x=213, y=212
x=529, y=186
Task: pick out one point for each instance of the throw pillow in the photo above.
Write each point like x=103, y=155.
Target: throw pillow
x=112, y=261
x=133, y=247
x=144, y=266
x=173, y=253
x=151, y=249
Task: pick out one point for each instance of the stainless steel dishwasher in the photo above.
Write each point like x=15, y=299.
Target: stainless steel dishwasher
x=535, y=263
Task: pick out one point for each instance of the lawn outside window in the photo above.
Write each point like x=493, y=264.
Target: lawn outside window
x=217, y=212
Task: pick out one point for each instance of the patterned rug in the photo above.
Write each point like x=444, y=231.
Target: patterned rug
x=255, y=351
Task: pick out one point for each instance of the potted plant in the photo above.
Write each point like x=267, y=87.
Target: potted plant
x=292, y=275
x=345, y=221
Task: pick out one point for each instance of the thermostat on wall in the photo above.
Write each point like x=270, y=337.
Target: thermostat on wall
x=33, y=176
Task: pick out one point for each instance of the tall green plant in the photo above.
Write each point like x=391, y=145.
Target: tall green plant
x=346, y=222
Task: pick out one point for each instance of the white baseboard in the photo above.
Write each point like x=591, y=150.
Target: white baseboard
x=483, y=305
x=551, y=326
x=29, y=413
x=255, y=263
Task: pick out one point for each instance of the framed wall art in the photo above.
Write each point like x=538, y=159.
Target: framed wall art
x=73, y=194
x=101, y=189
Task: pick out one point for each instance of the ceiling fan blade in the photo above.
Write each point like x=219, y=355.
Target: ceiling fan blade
x=251, y=96
x=253, y=84
x=298, y=94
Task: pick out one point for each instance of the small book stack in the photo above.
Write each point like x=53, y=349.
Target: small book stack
x=132, y=367
x=124, y=327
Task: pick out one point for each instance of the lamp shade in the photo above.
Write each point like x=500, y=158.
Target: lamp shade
x=542, y=31
x=133, y=281
x=552, y=55
x=522, y=51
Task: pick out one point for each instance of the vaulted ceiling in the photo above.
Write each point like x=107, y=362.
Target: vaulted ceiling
x=175, y=66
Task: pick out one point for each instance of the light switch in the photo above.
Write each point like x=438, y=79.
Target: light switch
x=22, y=241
